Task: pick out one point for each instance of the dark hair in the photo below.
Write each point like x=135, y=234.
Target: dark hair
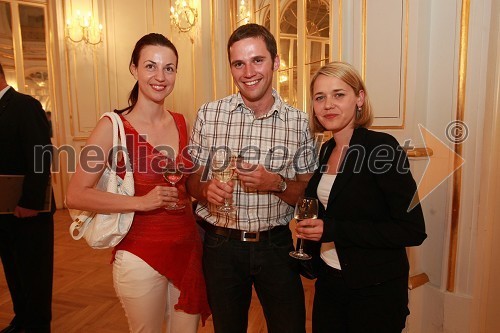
x=253, y=30
x=146, y=40
x=2, y=74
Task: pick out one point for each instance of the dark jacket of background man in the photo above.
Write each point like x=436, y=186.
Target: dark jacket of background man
x=26, y=237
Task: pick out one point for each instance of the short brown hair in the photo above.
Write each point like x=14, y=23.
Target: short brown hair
x=347, y=73
x=252, y=30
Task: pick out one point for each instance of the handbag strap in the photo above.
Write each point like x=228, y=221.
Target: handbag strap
x=119, y=141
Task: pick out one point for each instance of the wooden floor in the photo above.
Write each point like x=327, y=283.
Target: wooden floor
x=84, y=299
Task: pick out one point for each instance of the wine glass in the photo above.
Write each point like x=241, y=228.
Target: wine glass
x=173, y=175
x=306, y=208
x=223, y=169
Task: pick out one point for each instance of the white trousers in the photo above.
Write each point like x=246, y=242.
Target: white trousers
x=148, y=297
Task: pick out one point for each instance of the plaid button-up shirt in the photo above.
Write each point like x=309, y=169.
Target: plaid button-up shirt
x=280, y=140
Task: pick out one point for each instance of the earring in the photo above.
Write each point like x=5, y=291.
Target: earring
x=358, y=111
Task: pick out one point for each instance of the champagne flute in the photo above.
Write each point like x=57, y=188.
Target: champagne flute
x=173, y=175
x=306, y=208
x=223, y=170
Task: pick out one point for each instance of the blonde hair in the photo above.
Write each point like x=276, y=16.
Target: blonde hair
x=347, y=73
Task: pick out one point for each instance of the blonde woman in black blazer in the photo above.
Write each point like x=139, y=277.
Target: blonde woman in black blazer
x=365, y=189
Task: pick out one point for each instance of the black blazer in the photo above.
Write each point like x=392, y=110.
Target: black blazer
x=367, y=214
x=24, y=125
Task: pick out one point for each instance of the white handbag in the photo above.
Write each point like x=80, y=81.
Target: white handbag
x=102, y=230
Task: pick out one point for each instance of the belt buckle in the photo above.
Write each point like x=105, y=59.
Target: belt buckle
x=247, y=236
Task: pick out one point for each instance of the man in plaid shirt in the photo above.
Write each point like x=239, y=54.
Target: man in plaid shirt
x=251, y=245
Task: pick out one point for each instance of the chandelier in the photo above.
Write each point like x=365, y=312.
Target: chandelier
x=283, y=72
x=84, y=28
x=39, y=78
x=183, y=16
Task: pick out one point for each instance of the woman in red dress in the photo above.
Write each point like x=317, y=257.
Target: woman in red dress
x=157, y=270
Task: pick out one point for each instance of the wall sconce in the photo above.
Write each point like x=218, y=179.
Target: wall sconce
x=243, y=13
x=84, y=28
x=183, y=16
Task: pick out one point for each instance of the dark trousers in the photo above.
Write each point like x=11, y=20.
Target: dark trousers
x=27, y=252
x=380, y=308
x=232, y=266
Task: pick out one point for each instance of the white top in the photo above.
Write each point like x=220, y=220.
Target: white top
x=328, y=251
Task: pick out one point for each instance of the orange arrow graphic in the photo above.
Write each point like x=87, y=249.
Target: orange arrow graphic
x=441, y=165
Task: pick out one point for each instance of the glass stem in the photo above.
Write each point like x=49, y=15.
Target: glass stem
x=301, y=249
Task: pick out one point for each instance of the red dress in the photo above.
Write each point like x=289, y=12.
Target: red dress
x=167, y=240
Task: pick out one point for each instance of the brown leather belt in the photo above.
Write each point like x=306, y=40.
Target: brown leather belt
x=241, y=235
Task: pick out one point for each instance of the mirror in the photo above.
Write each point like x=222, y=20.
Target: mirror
x=32, y=21
x=317, y=45
x=6, y=44
x=30, y=54
x=288, y=53
x=315, y=49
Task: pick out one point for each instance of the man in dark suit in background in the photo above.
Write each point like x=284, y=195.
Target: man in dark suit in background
x=27, y=235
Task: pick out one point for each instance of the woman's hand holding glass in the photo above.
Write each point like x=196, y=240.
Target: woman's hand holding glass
x=159, y=197
x=173, y=175
x=305, y=209
x=163, y=194
x=310, y=229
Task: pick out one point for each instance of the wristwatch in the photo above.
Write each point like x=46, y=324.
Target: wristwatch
x=282, y=184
